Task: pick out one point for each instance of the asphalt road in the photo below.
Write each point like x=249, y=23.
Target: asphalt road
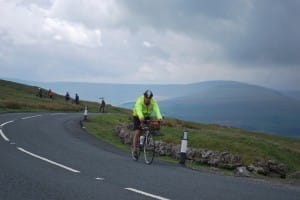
x=49, y=156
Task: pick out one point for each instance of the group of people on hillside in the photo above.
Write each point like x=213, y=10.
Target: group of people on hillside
x=67, y=98
x=50, y=93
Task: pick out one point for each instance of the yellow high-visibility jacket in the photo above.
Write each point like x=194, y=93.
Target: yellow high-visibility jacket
x=141, y=110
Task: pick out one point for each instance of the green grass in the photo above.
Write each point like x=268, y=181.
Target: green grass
x=248, y=144
x=219, y=138
x=103, y=126
x=16, y=97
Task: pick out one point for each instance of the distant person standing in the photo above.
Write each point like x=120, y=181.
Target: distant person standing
x=76, y=99
x=102, y=106
x=67, y=97
x=40, y=93
x=50, y=94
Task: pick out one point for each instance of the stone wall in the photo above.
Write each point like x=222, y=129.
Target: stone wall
x=218, y=159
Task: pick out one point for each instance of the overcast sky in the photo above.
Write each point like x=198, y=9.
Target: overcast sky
x=151, y=41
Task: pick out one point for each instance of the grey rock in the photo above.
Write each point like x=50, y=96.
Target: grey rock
x=242, y=171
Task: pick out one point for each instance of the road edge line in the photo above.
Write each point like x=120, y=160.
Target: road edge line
x=47, y=160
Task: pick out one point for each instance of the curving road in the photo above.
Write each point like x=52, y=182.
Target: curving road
x=49, y=156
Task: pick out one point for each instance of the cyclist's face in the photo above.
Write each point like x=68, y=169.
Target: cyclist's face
x=147, y=101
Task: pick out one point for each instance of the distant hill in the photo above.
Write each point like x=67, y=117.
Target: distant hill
x=116, y=94
x=295, y=94
x=229, y=103
x=241, y=105
x=16, y=97
x=236, y=104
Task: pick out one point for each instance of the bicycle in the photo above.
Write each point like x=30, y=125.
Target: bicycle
x=146, y=142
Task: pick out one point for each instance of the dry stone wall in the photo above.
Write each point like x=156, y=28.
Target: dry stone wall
x=218, y=159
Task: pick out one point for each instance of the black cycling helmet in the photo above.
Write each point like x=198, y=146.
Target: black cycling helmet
x=148, y=94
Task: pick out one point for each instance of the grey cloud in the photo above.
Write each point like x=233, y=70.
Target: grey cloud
x=271, y=34
x=251, y=32
x=196, y=17
x=213, y=39
x=40, y=3
x=56, y=62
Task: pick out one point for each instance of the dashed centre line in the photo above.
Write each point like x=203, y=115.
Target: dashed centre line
x=31, y=117
x=146, y=194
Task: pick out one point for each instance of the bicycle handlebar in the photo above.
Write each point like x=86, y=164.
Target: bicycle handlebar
x=151, y=124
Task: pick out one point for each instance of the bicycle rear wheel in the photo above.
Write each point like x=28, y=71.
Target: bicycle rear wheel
x=149, y=149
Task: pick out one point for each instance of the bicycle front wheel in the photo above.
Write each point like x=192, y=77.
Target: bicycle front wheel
x=149, y=149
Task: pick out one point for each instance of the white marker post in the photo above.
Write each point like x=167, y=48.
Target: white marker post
x=85, y=112
x=183, y=147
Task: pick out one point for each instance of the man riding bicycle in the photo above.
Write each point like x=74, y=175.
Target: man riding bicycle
x=142, y=110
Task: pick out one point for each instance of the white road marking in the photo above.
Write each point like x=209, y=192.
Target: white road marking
x=1, y=125
x=3, y=136
x=1, y=132
x=146, y=194
x=49, y=161
x=100, y=178
x=31, y=116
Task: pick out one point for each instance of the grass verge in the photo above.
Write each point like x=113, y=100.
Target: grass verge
x=17, y=97
x=218, y=138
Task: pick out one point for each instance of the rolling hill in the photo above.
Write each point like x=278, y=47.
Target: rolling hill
x=236, y=104
x=228, y=103
x=240, y=105
x=16, y=97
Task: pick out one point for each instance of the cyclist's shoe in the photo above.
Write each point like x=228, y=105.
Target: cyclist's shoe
x=134, y=155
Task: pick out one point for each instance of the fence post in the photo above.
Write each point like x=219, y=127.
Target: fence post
x=183, y=147
x=85, y=112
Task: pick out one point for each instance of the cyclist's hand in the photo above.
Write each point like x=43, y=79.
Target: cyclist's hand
x=160, y=121
x=142, y=121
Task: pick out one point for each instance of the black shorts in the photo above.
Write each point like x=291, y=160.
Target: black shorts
x=137, y=122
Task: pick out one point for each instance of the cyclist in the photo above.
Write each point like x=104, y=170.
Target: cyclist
x=142, y=110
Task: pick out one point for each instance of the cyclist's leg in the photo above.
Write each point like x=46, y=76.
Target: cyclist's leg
x=137, y=132
x=135, y=138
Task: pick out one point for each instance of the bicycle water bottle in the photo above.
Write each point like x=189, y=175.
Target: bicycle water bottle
x=142, y=139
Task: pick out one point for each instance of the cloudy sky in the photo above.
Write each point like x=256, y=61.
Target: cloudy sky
x=151, y=41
